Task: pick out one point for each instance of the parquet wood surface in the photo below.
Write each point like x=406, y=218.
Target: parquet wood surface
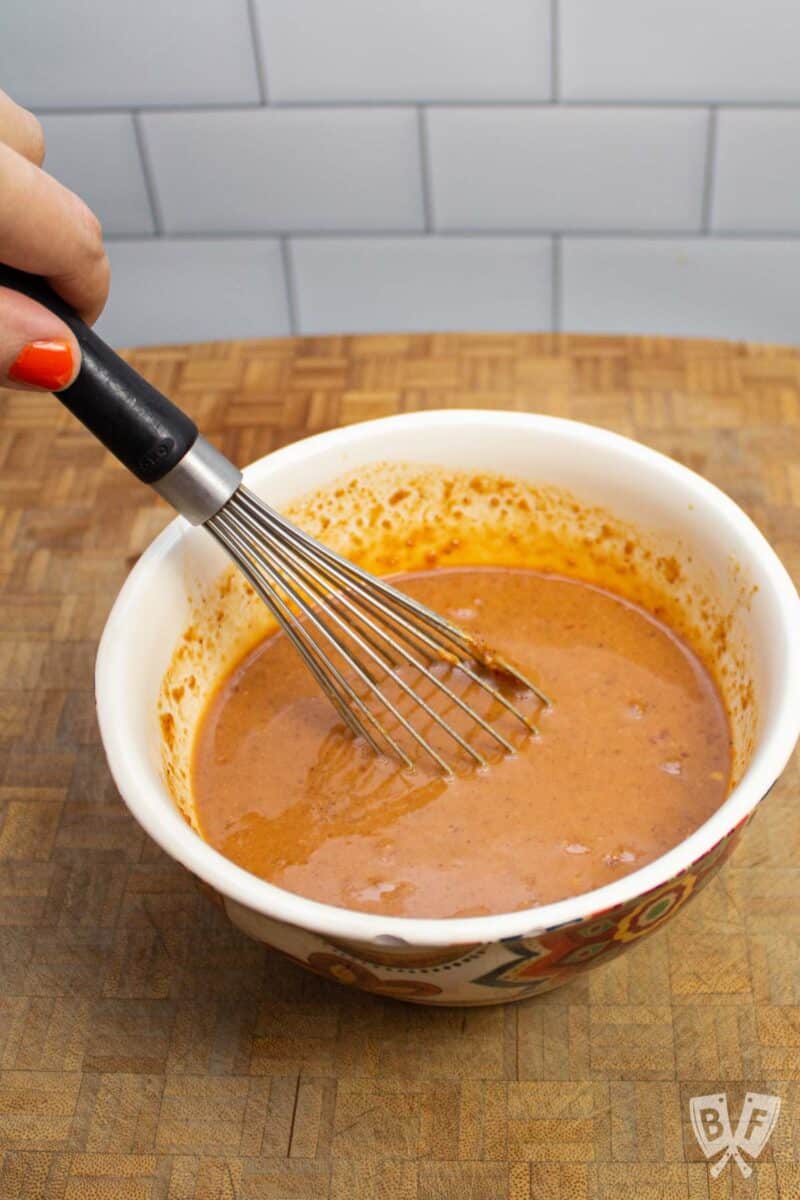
x=150, y=1052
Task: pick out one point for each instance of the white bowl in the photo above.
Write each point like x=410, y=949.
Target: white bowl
x=470, y=960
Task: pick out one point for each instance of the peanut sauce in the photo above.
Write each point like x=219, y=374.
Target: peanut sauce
x=633, y=756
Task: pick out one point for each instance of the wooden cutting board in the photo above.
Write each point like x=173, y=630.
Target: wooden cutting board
x=150, y=1052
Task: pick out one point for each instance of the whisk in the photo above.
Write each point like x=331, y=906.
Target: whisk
x=359, y=636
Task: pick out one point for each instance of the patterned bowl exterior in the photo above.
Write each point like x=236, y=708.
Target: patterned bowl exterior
x=495, y=972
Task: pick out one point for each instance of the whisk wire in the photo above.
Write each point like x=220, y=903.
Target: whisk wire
x=309, y=587
x=349, y=575
x=262, y=555
x=288, y=566
x=318, y=587
x=322, y=669
x=342, y=566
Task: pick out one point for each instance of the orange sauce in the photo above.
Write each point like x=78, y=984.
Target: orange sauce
x=634, y=754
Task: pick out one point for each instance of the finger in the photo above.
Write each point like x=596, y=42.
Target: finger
x=20, y=130
x=47, y=230
x=37, y=350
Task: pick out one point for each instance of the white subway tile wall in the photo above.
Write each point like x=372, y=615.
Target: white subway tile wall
x=406, y=284
x=373, y=50
x=690, y=287
x=97, y=155
x=757, y=175
x=264, y=171
x=567, y=168
x=273, y=166
x=127, y=53
x=689, y=50
x=194, y=290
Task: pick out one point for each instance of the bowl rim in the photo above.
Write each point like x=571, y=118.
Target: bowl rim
x=171, y=831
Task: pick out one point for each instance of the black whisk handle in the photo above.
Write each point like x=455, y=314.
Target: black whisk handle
x=146, y=431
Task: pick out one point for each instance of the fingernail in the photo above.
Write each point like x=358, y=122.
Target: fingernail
x=46, y=364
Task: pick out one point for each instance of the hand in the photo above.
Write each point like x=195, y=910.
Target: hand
x=47, y=230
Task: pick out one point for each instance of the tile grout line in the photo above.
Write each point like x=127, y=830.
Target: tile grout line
x=149, y=177
x=255, y=38
x=467, y=233
x=709, y=171
x=290, y=284
x=425, y=169
x=556, y=284
x=700, y=104
x=555, y=51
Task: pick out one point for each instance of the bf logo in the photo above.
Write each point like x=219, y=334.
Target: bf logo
x=712, y=1128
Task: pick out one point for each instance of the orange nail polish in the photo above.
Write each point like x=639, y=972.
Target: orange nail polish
x=46, y=364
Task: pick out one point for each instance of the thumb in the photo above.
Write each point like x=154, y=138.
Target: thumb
x=37, y=350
